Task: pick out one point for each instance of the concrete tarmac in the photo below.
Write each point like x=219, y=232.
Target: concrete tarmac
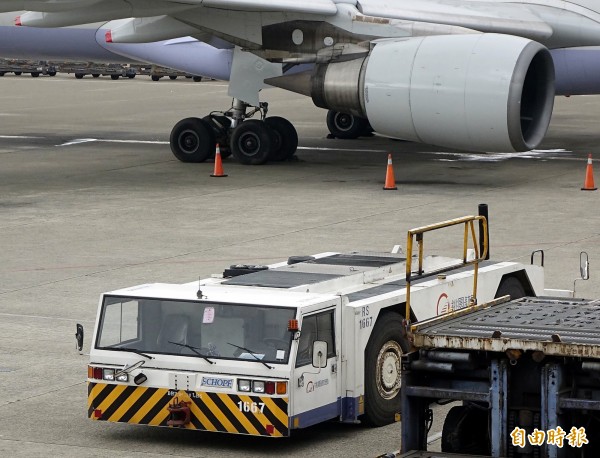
x=91, y=200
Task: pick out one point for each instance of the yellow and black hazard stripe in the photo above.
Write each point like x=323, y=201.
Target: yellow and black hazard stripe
x=232, y=413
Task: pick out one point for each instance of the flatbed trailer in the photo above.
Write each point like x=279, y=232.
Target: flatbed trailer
x=527, y=372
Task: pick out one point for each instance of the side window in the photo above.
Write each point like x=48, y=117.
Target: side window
x=315, y=327
x=120, y=323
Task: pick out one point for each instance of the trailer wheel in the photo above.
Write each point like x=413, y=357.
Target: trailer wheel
x=114, y=77
x=34, y=74
x=17, y=73
x=95, y=75
x=511, y=286
x=79, y=75
x=466, y=431
x=382, y=371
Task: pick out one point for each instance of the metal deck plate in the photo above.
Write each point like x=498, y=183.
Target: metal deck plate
x=556, y=326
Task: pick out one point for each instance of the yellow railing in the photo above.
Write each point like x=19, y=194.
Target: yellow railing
x=468, y=221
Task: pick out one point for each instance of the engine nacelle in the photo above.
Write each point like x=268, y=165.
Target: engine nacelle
x=479, y=92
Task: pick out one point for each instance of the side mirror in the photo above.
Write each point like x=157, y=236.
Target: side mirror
x=584, y=265
x=319, y=353
x=79, y=337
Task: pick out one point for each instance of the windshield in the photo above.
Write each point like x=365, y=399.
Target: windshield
x=196, y=329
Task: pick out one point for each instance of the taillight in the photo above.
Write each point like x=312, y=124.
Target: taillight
x=270, y=387
x=97, y=373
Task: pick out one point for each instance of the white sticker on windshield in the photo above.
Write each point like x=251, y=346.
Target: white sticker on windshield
x=209, y=315
x=280, y=354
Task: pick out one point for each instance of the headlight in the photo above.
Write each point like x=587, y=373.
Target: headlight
x=243, y=385
x=123, y=378
x=108, y=374
x=258, y=387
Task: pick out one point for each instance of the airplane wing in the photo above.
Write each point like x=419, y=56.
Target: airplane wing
x=484, y=16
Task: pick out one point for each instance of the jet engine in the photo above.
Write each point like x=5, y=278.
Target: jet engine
x=478, y=92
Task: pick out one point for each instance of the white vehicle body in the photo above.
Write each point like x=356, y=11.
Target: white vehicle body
x=350, y=304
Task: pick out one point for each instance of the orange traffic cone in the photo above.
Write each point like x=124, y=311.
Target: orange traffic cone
x=588, y=185
x=218, y=164
x=390, y=181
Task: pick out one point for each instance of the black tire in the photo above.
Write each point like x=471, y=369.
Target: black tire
x=35, y=74
x=1, y=73
x=197, y=79
x=511, y=286
x=155, y=77
x=131, y=75
x=192, y=140
x=345, y=126
x=382, y=371
x=16, y=73
x=79, y=75
x=466, y=431
x=96, y=75
x=114, y=77
x=172, y=77
x=251, y=142
x=53, y=73
x=285, y=138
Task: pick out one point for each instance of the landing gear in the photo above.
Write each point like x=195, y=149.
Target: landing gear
x=251, y=141
x=347, y=126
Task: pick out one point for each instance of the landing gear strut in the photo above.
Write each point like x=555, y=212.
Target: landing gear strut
x=251, y=141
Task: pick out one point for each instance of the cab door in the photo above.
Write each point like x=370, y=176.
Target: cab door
x=317, y=390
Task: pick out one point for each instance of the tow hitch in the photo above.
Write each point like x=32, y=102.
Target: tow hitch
x=179, y=413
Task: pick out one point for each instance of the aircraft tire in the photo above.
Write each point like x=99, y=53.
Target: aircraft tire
x=383, y=356
x=192, y=140
x=345, y=126
x=285, y=138
x=251, y=142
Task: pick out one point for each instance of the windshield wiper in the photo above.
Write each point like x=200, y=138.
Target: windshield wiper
x=137, y=352
x=194, y=349
x=251, y=353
